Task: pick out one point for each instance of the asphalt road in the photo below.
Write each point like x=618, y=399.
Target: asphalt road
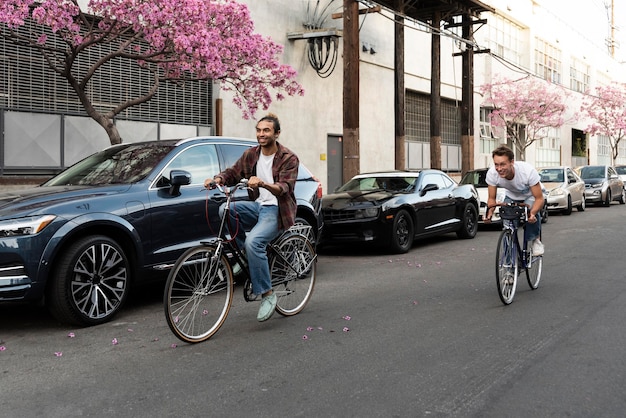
x=417, y=335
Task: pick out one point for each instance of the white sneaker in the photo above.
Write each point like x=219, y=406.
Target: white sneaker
x=537, y=247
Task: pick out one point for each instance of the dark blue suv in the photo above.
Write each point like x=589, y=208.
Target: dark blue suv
x=114, y=219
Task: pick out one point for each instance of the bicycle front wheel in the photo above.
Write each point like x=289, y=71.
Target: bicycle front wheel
x=533, y=271
x=506, y=267
x=198, y=294
x=293, y=267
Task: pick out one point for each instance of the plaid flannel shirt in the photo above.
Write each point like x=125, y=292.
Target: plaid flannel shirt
x=284, y=171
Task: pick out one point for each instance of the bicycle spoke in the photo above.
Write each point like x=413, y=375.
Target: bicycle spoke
x=293, y=269
x=198, y=294
x=506, y=267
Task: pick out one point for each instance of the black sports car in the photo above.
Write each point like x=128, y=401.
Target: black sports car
x=394, y=208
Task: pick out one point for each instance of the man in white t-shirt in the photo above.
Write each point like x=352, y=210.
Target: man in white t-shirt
x=522, y=184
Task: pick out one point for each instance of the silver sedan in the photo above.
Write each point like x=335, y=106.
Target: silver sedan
x=565, y=189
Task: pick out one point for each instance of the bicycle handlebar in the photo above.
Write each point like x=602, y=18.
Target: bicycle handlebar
x=243, y=183
x=509, y=204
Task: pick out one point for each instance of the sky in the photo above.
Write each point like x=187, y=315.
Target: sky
x=592, y=19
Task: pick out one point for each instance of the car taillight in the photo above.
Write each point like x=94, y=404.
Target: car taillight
x=319, y=190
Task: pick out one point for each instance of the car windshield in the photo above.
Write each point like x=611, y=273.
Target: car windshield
x=477, y=178
x=551, y=175
x=392, y=184
x=592, y=172
x=123, y=164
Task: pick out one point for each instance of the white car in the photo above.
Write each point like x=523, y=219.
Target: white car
x=477, y=178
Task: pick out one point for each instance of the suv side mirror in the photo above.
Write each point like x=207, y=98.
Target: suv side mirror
x=178, y=178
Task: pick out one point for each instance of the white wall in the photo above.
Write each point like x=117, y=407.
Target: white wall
x=306, y=121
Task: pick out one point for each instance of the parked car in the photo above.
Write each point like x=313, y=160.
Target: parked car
x=621, y=172
x=565, y=189
x=477, y=178
x=602, y=184
x=394, y=208
x=117, y=218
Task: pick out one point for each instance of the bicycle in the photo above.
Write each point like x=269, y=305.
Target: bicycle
x=511, y=256
x=200, y=287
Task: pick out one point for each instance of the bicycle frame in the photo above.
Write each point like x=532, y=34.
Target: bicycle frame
x=521, y=251
x=199, y=291
x=511, y=256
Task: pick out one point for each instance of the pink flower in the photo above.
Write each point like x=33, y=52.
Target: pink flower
x=346, y=329
x=114, y=341
x=2, y=348
x=305, y=337
x=58, y=353
x=347, y=318
x=309, y=328
x=71, y=335
x=173, y=346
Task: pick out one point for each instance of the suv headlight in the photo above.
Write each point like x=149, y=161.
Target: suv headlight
x=24, y=226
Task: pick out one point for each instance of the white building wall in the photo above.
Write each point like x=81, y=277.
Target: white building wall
x=308, y=120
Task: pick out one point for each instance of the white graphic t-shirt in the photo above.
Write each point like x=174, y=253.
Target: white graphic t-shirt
x=519, y=187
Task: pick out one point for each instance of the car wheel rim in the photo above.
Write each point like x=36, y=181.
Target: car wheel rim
x=402, y=231
x=100, y=279
x=472, y=221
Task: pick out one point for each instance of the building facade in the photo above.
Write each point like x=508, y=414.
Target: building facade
x=43, y=129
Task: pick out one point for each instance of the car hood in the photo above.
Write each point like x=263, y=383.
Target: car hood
x=552, y=185
x=345, y=199
x=34, y=200
x=594, y=180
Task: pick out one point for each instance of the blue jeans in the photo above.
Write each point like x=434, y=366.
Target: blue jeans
x=256, y=226
x=532, y=231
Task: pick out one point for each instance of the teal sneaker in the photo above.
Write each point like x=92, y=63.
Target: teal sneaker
x=268, y=304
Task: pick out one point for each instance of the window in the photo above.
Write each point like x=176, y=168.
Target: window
x=417, y=118
x=604, y=149
x=488, y=139
x=28, y=84
x=548, y=62
x=548, y=149
x=505, y=38
x=579, y=76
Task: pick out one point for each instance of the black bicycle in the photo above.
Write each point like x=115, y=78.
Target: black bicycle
x=200, y=287
x=511, y=256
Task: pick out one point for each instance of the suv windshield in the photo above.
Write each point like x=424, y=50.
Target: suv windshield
x=124, y=164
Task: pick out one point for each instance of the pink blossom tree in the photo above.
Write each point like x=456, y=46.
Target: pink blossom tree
x=526, y=109
x=173, y=40
x=607, y=110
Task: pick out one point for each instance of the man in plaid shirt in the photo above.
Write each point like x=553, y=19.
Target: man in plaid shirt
x=271, y=170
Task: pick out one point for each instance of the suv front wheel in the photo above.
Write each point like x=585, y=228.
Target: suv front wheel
x=90, y=282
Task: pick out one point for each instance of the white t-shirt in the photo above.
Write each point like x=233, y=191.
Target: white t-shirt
x=264, y=172
x=519, y=187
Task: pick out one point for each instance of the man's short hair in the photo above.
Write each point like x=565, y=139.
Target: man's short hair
x=270, y=117
x=502, y=151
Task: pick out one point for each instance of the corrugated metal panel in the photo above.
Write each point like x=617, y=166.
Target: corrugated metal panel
x=28, y=84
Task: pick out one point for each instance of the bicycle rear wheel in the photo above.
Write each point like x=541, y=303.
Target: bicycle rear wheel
x=198, y=294
x=506, y=267
x=533, y=272
x=293, y=267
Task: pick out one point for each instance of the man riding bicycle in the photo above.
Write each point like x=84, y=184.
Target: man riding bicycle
x=522, y=184
x=271, y=170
